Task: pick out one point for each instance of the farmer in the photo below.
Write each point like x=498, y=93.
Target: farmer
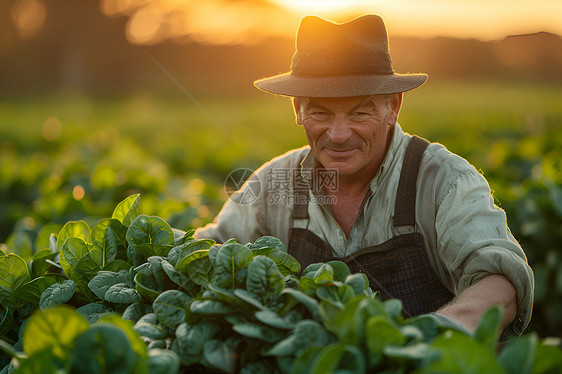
x=419, y=221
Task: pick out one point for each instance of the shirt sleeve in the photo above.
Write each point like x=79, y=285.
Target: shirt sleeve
x=474, y=241
x=242, y=217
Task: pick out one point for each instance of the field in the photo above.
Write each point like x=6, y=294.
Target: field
x=74, y=156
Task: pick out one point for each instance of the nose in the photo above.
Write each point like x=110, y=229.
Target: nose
x=339, y=131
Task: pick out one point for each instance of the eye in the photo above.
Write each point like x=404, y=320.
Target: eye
x=319, y=115
x=360, y=116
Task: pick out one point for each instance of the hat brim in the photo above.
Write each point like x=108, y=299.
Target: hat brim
x=289, y=84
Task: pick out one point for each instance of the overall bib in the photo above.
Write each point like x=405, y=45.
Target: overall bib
x=398, y=268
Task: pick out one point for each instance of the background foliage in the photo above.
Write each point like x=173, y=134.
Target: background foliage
x=74, y=156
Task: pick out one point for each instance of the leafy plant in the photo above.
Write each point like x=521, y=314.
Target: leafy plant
x=133, y=295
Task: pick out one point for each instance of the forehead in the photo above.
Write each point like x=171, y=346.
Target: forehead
x=339, y=103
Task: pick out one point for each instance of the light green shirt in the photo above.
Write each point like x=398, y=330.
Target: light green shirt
x=465, y=233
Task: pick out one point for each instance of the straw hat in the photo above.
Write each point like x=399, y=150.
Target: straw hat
x=341, y=60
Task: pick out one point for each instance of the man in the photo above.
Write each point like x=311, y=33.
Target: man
x=417, y=219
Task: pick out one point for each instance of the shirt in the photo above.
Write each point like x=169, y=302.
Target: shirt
x=465, y=233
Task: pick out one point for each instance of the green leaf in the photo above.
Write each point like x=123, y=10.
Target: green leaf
x=127, y=210
x=264, y=279
x=487, y=331
x=13, y=274
x=122, y=293
x=268, y=242
x=197, y=266
x=92, y=312
x=195, y=245
x=338, y=295
x=72, y=251
x=155, y=264
x=303, y=362
x=116, y=266
x=39, y=265
x=230, y=298
x=548, y=359
x=358, y=281
x=248, y=298
x=183, y=237
x=109, y=237
x=73, y=229
x=181, y=280
x=341, y=270
x=163, y=361
x=170, y=307
x=150, y=249
x=324, y=275
x=32, y=290
x=150, y=230
x=192, y=339
x=57, y=294
x=339, y=356
x=103, y=280
x=380, y=334
x=53, y=329
x=135, y=311
x=273, y=319
x=147, y=326
x=146, y=286
x=393, y=308
x=231, y=259
x=257, y=331
x=420, y=353
x=103, y=348
x=518, y=356
x=41, y=362
x=220, y=356
x=310, y=303
x=127, y=327
x=456, y=352
x=308, y=286
x=206, y=306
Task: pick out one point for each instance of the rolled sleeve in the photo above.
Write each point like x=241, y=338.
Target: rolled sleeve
x=474, y=242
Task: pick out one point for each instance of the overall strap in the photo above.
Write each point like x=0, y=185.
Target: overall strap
x=300, y=195
x=405, y=208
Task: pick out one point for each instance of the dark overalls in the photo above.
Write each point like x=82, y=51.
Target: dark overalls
x=398, y=268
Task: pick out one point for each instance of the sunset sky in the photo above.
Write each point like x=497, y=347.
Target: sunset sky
x=244, y=21
x=230, y=21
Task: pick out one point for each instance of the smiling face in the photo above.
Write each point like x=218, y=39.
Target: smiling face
x=350, y=134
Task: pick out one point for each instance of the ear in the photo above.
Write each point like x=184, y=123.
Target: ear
x=395, y=106
x=297, y=107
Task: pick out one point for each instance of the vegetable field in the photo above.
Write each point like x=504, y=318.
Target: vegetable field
x=74, y=158
x=148, y=299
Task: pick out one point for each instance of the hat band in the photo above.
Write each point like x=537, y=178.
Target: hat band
x=377, y=63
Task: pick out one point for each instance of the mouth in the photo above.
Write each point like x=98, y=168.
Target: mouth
x=339, y=153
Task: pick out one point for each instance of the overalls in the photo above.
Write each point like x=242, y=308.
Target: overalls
x=398, y=268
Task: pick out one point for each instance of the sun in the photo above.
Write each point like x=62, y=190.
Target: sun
x=320, y=6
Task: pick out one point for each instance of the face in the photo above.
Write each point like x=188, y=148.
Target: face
x=349, y=134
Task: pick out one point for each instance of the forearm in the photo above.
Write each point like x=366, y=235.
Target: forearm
x=468, y=308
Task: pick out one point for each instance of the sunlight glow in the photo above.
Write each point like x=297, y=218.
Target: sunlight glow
x=321, y=6
x=248, y=21
x=28, y=16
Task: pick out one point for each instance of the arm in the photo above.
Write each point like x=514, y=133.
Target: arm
x=468, y=308
x=472, y=243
